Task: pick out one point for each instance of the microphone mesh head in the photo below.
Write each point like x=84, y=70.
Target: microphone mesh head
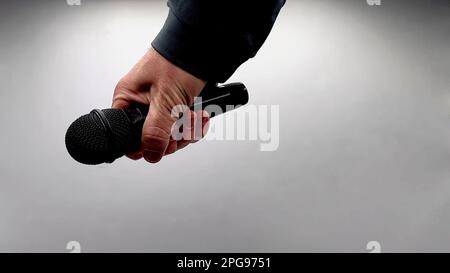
x=89, y=142
x=121, y=131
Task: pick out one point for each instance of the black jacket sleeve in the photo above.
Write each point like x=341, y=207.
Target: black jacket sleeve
x=211, y=38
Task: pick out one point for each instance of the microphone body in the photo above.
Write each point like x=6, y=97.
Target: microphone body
x=102, y=136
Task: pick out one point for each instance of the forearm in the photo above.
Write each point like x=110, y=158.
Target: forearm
x=211, y=39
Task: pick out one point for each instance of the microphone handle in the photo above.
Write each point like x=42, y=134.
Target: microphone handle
x=223, y=98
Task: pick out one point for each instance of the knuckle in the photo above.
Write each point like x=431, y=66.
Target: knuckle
x=121, y=86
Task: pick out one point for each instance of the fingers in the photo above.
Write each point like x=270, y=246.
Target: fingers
x=205, y=117
x=156, y=133
x=120, y=104
x=199, y=123
x=196, y=132
x=172, y=147
x=189, y=126
x=121, y=96
x=125, y=95
x=156, y=139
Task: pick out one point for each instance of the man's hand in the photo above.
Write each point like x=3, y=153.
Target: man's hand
x=156, y=82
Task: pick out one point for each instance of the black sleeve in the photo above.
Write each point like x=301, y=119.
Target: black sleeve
x=212, y=38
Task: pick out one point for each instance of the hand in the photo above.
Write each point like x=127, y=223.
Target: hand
x=156, y=82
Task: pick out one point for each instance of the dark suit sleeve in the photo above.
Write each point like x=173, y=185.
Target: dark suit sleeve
x=212, y=38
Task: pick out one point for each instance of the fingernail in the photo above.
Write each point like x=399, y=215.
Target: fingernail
x=152, y=156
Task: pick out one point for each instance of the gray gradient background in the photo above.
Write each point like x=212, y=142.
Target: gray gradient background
x=364, y=95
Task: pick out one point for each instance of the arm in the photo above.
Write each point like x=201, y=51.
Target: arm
x=201, y=41
x=212, y=38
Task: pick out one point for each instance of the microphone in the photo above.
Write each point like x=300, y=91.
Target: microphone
x=102, y=136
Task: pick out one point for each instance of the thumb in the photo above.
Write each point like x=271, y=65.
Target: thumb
x=156, y=134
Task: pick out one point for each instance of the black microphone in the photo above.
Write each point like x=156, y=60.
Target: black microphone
x=102, y=136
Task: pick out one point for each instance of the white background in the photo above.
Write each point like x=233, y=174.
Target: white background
x=364, y=135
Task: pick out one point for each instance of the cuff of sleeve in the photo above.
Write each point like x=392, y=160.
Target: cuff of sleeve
x=202, y=53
